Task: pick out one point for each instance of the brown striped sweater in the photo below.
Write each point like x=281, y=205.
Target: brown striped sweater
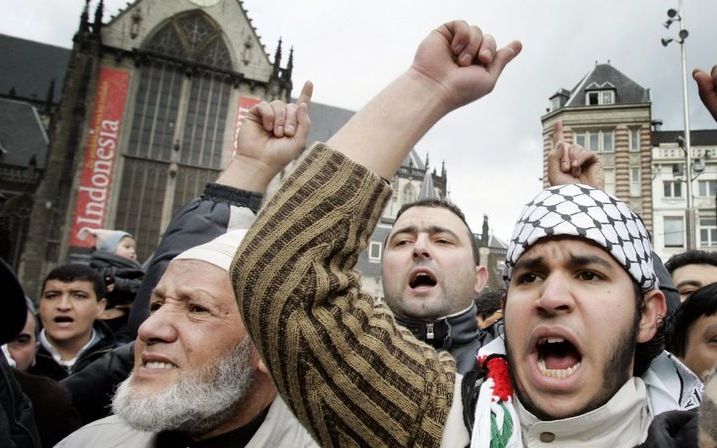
x=350, y=374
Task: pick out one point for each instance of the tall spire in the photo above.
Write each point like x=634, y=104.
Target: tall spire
x=277, y=58
x=98, y=17
x=290, y=64
x=85, y=18
x=484, y=232
x=428, y=190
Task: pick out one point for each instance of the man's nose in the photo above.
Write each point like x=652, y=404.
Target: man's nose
x=556, y=295
x=158, y=327
x=65, y=303
x=421, y=248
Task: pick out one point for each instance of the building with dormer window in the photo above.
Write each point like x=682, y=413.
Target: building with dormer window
x=610, y=114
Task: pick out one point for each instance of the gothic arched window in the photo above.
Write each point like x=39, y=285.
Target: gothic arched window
x=179, y=120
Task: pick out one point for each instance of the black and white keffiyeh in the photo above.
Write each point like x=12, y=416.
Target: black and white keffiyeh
x=586, y=212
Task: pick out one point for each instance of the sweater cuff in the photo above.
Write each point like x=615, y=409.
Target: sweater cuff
x=234, y=196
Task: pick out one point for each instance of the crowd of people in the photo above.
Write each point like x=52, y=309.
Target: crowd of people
x=249, y=328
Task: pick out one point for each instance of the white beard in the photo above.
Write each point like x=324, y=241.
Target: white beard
x=197, y=402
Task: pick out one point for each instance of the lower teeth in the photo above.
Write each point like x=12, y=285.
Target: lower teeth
x=557, y=373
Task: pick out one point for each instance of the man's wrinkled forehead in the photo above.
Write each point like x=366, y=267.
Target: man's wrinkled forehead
x=566, y=250
x=194, y=277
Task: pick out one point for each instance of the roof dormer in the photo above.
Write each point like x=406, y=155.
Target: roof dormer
x=599, y=94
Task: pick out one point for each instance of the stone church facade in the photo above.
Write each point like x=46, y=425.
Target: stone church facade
x=151, y=104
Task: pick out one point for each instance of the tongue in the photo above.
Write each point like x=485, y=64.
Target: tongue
x=561, y=361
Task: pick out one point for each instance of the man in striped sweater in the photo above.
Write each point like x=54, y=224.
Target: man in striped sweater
x=575, y=312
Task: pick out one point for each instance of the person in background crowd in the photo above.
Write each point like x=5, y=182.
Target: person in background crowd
x=197, y=377
x=693, y=331
x=115, y=259
x=72, y=336
x=430, y=275
x=17, y=422
x=692, y=270
x=489, y=315
x=489, y=308
x=23, y=347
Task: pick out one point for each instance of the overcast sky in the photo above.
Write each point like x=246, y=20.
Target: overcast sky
x=492, y=148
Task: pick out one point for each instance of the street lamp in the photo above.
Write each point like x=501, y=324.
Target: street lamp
x=676, y=15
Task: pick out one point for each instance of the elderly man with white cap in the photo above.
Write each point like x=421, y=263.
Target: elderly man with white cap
x=198, y=379
x=581, y=364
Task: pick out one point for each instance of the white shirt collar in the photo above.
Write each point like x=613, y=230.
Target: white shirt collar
x=67, y=364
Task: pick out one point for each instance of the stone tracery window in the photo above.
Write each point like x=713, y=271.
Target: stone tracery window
x=176, y=119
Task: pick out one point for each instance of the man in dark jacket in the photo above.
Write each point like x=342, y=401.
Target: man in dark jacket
x=72, y=337
x=431, y=276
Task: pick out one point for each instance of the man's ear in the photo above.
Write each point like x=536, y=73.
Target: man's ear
x=654, y=308
x=101, y=304
x=481, y=278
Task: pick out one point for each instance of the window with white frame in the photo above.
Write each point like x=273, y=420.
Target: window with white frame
x=707, y=187
x=596, y=140
x=674, y=231
x=672, y=188
x=634, y=181
x=708, y=232
x=597, y=97
x=634, y=139
x=607, y=141
x=374, y=252
x=609, y=175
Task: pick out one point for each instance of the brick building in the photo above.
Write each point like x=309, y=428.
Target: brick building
x=609, y=113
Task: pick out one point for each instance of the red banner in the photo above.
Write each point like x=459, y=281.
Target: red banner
x=93, y=196
x=245, y=103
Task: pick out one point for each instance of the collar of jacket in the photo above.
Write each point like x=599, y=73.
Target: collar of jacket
x=446, y=332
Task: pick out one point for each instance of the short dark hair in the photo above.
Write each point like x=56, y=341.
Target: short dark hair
x=451, y=207
x=702, y=302
x=71, y=272
x=489, y=302
x=690, y=257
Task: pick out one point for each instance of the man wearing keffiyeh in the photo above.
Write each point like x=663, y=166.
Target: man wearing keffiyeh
x=582, y=295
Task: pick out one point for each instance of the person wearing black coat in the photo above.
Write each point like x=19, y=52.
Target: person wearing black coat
x=17, y=422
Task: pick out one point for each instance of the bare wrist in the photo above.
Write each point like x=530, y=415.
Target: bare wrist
x=248, y=174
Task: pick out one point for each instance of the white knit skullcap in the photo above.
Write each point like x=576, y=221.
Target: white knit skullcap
x=586, y=212
x=219, y=251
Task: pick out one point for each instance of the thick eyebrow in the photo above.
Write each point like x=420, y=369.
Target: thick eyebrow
x=74, y=291
x=185, y=293
x=530, y=264
x=575, y=261
x=584, y=260
x=688, y=283
x=431, y=230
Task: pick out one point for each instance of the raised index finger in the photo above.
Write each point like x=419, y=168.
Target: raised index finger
x=306, y=92
x=558, y=132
